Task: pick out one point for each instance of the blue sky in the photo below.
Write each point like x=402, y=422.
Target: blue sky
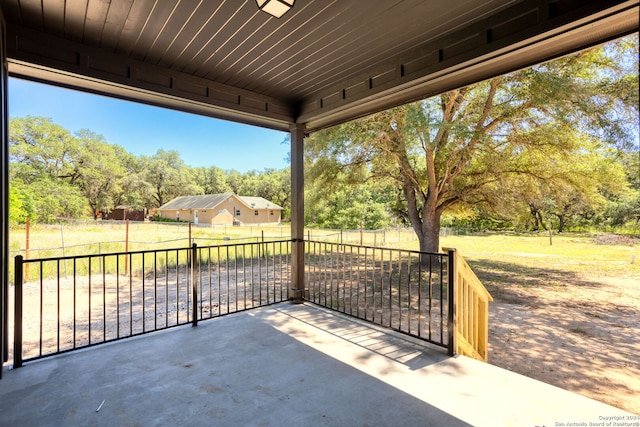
x=143, y=130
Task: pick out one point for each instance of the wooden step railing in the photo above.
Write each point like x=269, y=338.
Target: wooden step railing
x=471, y=313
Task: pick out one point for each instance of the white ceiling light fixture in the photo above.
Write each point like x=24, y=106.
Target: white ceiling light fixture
x=275, y=8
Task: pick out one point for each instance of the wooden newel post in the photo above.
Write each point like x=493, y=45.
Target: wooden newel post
x=451, y=312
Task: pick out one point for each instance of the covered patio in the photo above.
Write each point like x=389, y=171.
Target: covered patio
x=285, y=364
x=323, y=63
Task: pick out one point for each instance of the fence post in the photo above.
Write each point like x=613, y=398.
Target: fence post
x=17, y=320
x=451, y=314
x=126, y=246
x=27, y=245
x=194, y=284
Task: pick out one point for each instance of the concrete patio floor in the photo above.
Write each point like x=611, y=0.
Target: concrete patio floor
x=284, y=365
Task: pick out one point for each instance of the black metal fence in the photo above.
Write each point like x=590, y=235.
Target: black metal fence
x=80, y=301
x=407, y=291
x=75, y=302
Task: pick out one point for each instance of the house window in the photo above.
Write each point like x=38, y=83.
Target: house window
x=237, y=212
x=271, y=213
x=255, y=213
x=222, y=211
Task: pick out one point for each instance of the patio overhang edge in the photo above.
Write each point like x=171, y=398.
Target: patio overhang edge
x=32, y=56
x=437, y=78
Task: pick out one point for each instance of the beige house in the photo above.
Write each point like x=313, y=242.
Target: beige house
x=221, y=209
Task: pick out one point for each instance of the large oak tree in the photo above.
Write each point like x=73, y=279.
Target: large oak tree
x=466, y=146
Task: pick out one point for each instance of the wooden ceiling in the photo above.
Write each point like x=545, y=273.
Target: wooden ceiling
x=324, y=62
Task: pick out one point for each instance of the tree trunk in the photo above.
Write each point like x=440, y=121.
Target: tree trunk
x=429, y=236
x=560, y=223
x=534, y=217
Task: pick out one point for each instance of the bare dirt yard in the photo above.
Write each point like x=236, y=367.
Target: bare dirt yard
x=566, y=314
x=577, y=330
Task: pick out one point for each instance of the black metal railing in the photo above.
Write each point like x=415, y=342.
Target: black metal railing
x=74, y=302
x=242, y=276
x=404, y=290
x=69, y=303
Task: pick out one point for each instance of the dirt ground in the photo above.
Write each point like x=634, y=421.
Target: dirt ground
x=573, y=330
x=581, y=334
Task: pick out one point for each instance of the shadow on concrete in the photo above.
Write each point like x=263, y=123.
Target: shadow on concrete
x=235, y=371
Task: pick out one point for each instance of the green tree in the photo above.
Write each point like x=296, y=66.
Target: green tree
x=271, y=184
x=39, y=148
x=18, y=209
x=349, y=208
x=43, y=159
x=167, y=177
x=132, y=190
x=457, y=149
x=212, y=180
x=49, y=199
x=97, y=171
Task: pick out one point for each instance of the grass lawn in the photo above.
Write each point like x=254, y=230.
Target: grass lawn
x=507, y=261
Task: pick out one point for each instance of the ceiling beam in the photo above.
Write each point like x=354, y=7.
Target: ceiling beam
x=44, y=58
x=525, y=34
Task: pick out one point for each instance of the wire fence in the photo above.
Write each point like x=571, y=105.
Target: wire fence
x=96, y=237
x=88, y=237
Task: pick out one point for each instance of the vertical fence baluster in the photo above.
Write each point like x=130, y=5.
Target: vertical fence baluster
x=210, y=282
x=409, y=294
x=430, y=295
x=220, y=283
x=373, y=285
x=118, y=296
x=273, y=271
x=420, y=294
x=253, y=286
x=129, y=266
x=228, y=277
x=265, y=253
x=359, y=280
x=366, y=280
x=41, y=307
x=382, y=286
x=166, y=287
x=75, y=290
x=104, y=298
x=177, y=287
x=155, y=290
x=194, y=285
x=390, y=288
x=244, y=277
x=58, y=305
x=399, y=290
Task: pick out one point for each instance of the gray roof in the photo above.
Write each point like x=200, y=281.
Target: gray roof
x=259, y=203
x=210, y=201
